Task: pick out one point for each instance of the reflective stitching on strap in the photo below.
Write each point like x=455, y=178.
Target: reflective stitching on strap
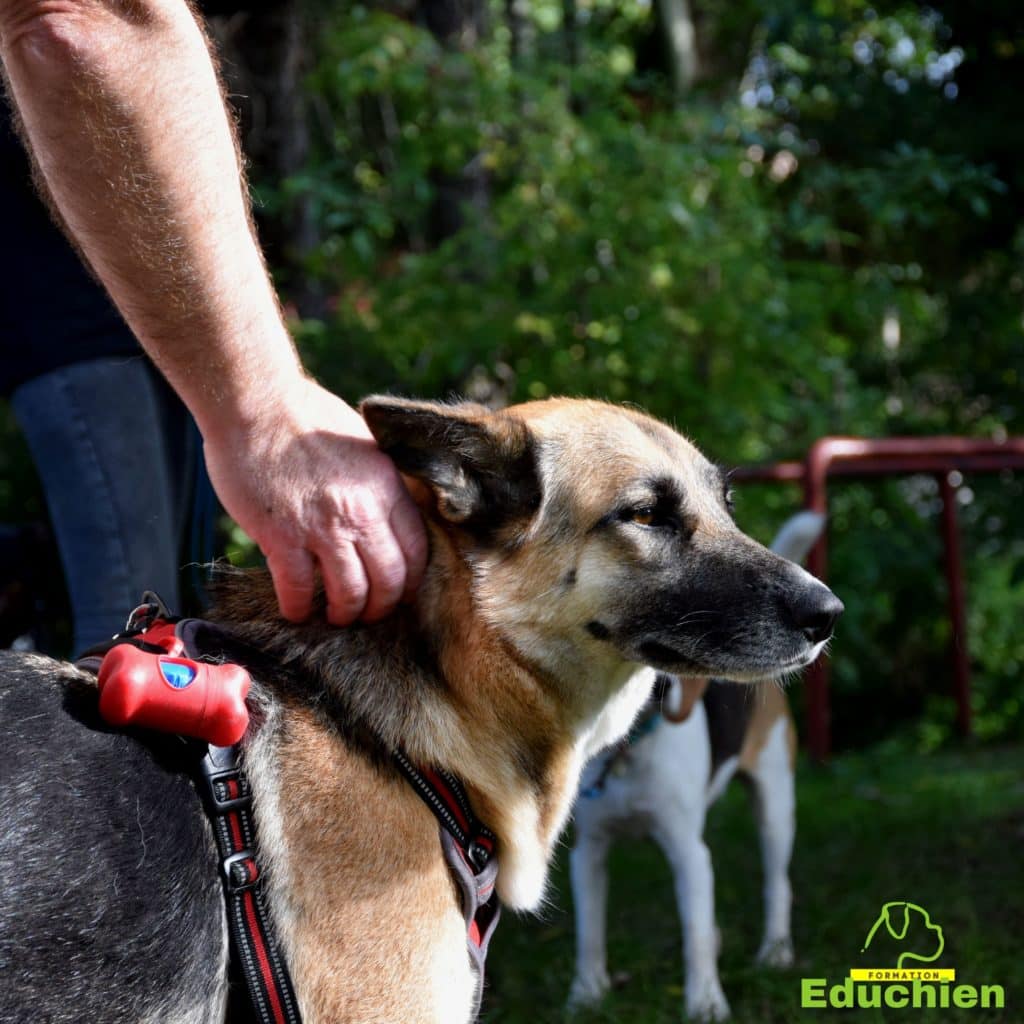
x=228, y=806
x=468, y=848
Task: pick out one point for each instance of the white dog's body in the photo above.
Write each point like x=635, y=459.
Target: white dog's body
x=661, y=785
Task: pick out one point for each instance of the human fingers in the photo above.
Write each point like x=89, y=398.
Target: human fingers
x=292, y=572
x=406, y=524
x=384, y=561
x=346, y=584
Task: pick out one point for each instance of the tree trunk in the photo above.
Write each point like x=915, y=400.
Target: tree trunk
x=520, y=31
x=457, y=25
x=676, y=20
x=264, y=59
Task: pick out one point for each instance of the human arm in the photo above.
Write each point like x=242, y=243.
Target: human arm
x=123, y=112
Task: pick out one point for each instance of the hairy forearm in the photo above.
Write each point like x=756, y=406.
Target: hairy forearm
x=123, y=113
x=127, y=126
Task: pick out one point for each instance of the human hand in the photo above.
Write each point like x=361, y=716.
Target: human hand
x=305, y=479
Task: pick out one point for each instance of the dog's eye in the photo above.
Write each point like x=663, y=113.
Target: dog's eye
x=652, y=516
x=729, y=497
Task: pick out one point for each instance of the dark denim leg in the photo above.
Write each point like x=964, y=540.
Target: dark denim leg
x=113, y=451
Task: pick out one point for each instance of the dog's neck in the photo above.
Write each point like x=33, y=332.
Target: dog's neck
x=435, y=681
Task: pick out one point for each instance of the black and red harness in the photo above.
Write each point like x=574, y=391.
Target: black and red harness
x=171, y=656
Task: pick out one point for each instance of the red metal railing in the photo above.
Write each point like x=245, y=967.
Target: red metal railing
x=895, y=456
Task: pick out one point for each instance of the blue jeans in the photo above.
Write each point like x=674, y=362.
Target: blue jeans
x=116, y=451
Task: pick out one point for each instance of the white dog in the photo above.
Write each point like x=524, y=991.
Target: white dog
x=660, y=782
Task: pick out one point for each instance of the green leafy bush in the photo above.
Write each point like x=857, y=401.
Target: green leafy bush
x=740, y=266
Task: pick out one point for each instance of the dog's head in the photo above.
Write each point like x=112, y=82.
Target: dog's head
x=599, y=538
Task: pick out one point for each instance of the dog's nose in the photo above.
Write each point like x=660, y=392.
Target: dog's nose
x=814, y=611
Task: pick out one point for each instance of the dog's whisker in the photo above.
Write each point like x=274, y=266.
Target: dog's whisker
x=690, y=616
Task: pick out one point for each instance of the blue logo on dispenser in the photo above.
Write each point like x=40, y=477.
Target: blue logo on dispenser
x=177, y=675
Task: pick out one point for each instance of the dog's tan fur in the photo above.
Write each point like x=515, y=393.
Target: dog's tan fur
x=347, y=926
x=489, y=674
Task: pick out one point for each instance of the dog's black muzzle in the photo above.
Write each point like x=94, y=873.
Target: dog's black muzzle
x=731, y=609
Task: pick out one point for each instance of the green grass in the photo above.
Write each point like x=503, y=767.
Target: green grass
x=945, y=831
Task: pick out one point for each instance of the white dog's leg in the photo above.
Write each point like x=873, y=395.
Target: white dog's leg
x=776, y=816
x=588, y=865
x=681, y=837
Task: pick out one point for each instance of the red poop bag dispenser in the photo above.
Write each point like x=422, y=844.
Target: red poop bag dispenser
x=175, y=694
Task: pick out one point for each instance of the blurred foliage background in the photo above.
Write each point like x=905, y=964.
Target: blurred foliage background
x=761, y=220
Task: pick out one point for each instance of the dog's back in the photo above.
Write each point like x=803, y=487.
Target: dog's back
x=109, y=868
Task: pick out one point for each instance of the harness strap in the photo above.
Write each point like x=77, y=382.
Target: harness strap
x=468, y=846
x=151, y=614
x=228, y=801
x=445, y=796
x=469, y=851
x=227, y=798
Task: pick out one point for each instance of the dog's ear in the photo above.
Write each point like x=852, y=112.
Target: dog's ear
x=481, y=465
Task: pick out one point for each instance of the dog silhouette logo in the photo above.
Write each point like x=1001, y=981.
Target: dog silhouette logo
x=907, y=932
x=897, y=917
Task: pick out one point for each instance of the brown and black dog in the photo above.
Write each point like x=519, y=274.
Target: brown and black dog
x=574, y=545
